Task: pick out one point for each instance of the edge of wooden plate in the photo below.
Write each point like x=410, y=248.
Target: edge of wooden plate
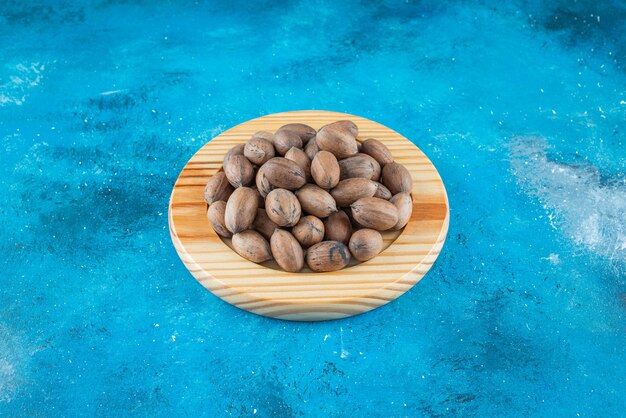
x=308, y=296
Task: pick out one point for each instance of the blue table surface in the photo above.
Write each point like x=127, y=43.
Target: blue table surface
x=521, y=105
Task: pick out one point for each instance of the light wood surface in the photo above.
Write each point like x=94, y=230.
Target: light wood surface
x=308, y=296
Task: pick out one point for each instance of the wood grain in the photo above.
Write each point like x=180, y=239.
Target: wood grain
x=308, y=296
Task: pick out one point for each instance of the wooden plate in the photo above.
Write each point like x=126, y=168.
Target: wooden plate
x=308, y=296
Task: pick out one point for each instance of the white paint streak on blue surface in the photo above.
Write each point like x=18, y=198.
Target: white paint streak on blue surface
x=12, y=364
x=22, y=78
x=591, y=212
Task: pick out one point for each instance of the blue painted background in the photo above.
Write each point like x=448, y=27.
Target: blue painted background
x=521, y=106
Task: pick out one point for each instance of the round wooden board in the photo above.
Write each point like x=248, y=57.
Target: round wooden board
x=308, y=296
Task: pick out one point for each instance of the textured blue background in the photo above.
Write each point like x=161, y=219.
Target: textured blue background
x=522, y=107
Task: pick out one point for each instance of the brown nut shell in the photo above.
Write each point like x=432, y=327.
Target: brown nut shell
x=283, y=207
x=377, y=150
x=311, y=148
x=305, y=132
x=325, y=170
x=316, y=201
x=382, y=192
x=397, y=178
x=217, y=188
x=375, y=213
x=355, y=224
x=359, y=166
x=365, y=244
x=350, y=190
x=299, y=157
x=239, y=170
x=404, y=203
x=263, y=184
x=241, y=209
x=338, y=227
x=259, y=197
x=216, y=214
x=346, y=125
x=337, y=140
x=309, y=230
x=328, y=256
x=263, y=224
x=283, y=173
x=259, y=150
x=252, y=246
x=284, y=140
x=287, y=251
x=265, y=135
x=236, y=150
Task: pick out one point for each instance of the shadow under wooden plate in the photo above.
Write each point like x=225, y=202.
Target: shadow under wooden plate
x=308, y=296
